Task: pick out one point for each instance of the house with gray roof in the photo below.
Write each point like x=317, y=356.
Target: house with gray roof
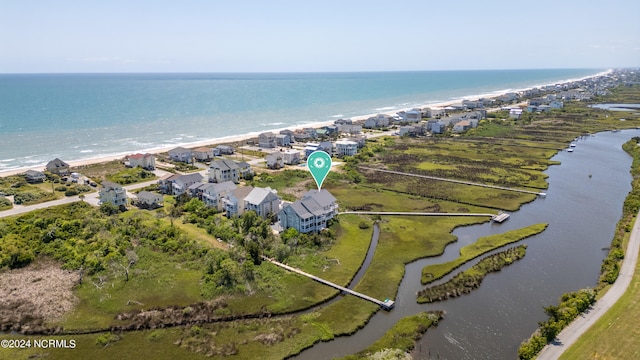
x=263, y=201
x=58, y=167
x=34, y=177
x=181, y=154
x=148, y=200
x=309, y=214
x=177, y=184
x=234, y=201
x=212, y=194
x=224, y=170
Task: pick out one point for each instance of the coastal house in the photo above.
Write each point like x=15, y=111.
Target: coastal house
x=462, y=126
x=283, y=140
x=309, y=148
x=34, y=177
x=181, y=183
x=343, y=122
x=275, y=160
x=264, y=201
x=212, y=194
x=406, y=131
x=225, y=149
x=58, y=167
x=203, y=153
x=351, y=129
x=177, y=184
x=267, y=140
x=291, y=157
x=244, y=170
x=224, y=170
x=346, y=148
x=145, y=161
x=301, y=136
x=556, y=104
x=234, y=201
x=181, y=154
x=515, y=113
x=112, y=193
x=437, y=112
x=378, y=121
x=309, y=214
x=148, y=200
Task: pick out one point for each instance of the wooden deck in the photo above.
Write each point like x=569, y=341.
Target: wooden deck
x=387, y=304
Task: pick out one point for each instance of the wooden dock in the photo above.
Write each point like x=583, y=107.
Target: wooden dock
x=502, y=216
x=387, y=304
x=408, y=213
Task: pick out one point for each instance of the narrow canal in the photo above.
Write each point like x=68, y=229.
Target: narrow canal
x=582, y=207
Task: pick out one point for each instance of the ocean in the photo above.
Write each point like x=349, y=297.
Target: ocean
x=85, y=116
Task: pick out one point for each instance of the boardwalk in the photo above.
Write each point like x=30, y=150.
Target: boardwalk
x=455, y=181
x=407, y=213
x=387, y=304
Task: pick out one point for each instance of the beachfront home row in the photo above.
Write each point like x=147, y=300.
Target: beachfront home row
x=309, y=214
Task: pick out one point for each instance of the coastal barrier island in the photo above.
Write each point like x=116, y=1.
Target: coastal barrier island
x=184, y=280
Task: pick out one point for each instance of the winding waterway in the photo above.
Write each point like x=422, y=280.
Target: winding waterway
x=582, y=207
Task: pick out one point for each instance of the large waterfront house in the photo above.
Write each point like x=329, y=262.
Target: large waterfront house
x=181, y=154
x=283, y=139
x=378, y=121
x=145, y=161
x=224, y=170
x=112, y=193
x=309, y=214
x=58, y=167
x=267, y=140
x=264, y=201
x=203, y=153
x=225, y=149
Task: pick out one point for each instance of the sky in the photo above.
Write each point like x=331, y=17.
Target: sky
x=79, y=36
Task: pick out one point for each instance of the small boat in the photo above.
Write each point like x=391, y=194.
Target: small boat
x=572, y=145
x=570, y=150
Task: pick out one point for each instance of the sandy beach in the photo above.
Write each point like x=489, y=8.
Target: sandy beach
x=244, y=137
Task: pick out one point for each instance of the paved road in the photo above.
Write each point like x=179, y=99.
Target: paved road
x=572, y=332
x=91, y=198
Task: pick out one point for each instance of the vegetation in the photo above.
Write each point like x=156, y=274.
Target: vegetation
x=571, y=305
x=481, y=246
x=468, y=280
x=5, y=203
x=23, y=192
x=131, y=176
x=401, y=338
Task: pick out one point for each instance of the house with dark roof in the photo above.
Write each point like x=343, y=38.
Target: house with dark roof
x=224, y=170
x=181, y=154
x=309, y=214
x=212, y=194
x=34, y=177
x=58, y=167
x=177, y=184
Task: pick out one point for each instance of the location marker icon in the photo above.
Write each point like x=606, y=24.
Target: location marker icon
x=319, y=164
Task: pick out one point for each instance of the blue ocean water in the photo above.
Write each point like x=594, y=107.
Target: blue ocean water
x=81, y=116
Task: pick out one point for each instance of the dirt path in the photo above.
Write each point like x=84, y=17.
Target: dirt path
x=572, y=332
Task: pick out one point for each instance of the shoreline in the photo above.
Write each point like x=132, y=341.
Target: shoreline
x=317, y=124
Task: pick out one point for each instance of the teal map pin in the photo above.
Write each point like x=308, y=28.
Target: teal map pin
x=319, y=164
